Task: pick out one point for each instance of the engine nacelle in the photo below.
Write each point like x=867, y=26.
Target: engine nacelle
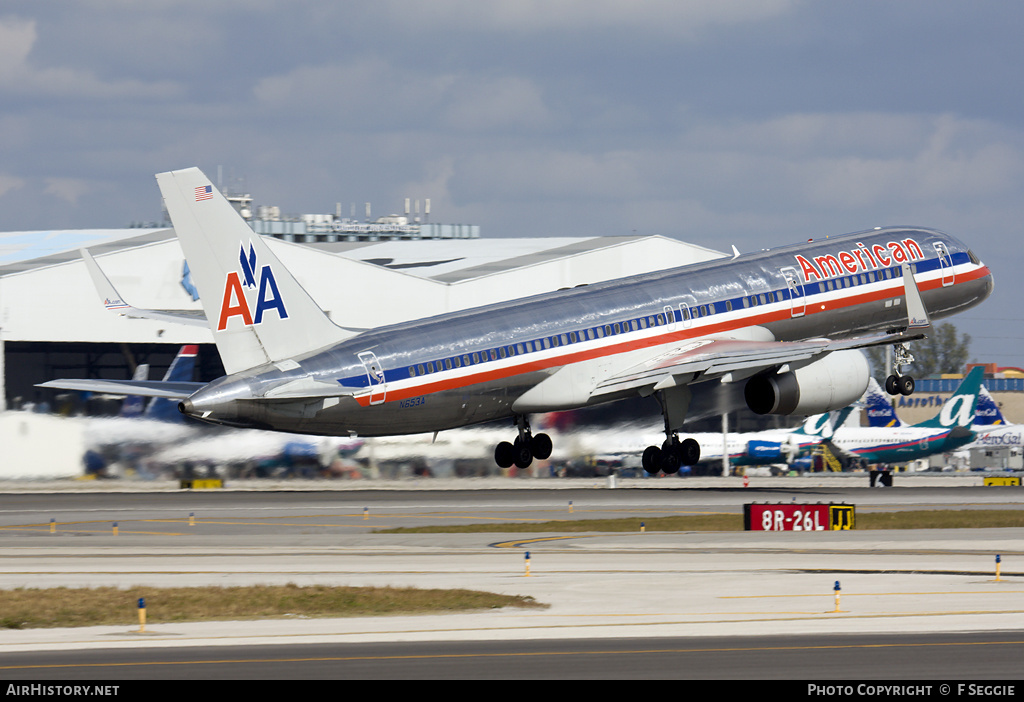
x=828, y=384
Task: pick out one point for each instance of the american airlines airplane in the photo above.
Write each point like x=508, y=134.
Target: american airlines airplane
x=778, y=330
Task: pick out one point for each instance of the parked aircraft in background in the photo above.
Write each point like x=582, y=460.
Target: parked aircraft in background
x=878, y=407
x=778, y=330
x=992, y=428
x=949, y=430
x=135, y=405
x=759, y=448
x=181, y=369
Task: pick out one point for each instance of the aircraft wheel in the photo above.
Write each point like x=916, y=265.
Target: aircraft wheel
x=892, y=385
x=651, y=460
x=671, y=457
x=690, y=452
x=541, y=447
x=906, y=385
x=522, y=456
x=505, y=454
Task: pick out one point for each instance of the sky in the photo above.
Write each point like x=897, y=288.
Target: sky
x=752, y=123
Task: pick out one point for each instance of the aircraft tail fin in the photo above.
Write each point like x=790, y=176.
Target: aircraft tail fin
x=987, y=413
x=257, y=311
x=180, y=370
x=879, y=408
x=823, y=425
x=133, y=405
x=959, y=409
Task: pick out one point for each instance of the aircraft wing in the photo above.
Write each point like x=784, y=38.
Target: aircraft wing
x=113, y=301
x=710, y=358
x=145, y=388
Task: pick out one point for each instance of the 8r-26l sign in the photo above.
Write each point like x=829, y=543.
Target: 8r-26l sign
x=794, y=517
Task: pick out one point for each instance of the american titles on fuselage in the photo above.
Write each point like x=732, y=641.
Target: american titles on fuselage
x=860, y=260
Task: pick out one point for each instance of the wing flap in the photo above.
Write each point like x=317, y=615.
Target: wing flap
x=706, y=359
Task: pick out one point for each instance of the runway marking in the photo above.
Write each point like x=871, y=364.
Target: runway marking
x=516, y=654
x=539, y=539
x=875, y=594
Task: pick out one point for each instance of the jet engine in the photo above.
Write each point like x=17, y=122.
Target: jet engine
x=835, y=381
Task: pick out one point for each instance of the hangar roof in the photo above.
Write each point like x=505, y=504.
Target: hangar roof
x=46, y=293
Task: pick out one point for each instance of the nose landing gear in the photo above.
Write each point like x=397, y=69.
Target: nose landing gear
x=898, y=384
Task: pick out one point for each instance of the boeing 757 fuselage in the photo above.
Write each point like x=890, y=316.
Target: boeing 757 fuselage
x=778, y=330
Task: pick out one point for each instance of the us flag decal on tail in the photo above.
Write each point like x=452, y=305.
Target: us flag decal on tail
x=204, y=192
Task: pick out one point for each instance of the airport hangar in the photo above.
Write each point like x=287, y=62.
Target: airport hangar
x=53, y=323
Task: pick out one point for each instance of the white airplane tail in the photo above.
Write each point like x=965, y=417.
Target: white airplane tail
x=257, y=311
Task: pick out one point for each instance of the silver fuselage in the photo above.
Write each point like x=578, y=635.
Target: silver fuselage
x=471, y=366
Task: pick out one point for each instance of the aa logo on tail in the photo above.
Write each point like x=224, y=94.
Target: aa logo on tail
x=236, y=304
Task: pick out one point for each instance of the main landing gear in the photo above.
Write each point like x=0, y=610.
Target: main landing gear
x=673, y=454
x=897, y=384
x=526, y=448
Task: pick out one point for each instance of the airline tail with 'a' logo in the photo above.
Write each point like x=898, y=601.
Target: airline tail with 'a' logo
x=959, y=409
x=257, y=311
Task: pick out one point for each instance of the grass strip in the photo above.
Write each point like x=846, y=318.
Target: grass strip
x=915, y=519
x=30, y=608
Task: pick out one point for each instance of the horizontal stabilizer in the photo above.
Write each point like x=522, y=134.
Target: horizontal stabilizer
x=145, y=388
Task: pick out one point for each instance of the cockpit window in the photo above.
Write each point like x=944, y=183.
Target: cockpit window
x=974, y=259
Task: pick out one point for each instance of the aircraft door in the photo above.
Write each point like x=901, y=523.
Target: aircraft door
x=798, y=305
x=375, y=376
x=945, y=263
x=685, y=315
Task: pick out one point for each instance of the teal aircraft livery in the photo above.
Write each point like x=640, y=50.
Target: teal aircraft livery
x=778, y=330
x=991, y=427
x=949, y=430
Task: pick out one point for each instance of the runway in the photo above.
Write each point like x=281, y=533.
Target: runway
x=642, y=591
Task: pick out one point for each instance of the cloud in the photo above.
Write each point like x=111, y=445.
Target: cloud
x=370, y=92
x=9, y=183
x=67, y=189
x=673, y=17
x=19, y=76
